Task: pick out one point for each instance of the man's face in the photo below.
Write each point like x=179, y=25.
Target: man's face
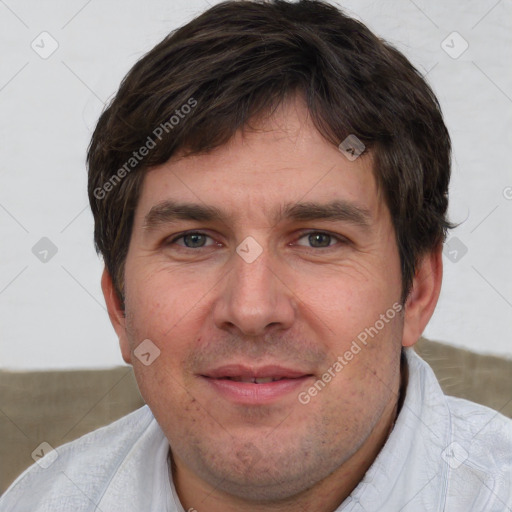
x=219, y=315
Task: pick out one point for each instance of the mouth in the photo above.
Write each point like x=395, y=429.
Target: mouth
x=255, y=380
x=245, y=385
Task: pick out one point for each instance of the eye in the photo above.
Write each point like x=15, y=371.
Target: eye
x=321, y=239
x=191, y=240
x=314, y=239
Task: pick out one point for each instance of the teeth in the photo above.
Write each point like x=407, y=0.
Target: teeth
x=259, y=380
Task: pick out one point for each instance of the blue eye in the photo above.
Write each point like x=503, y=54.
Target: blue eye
x=192, y=240
x=314, y=240
x=320, y=239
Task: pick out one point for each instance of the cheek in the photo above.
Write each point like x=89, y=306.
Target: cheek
x=369, y=364
x=169, y=309
x=360, y=323
x=346, y=300
x=165, y=302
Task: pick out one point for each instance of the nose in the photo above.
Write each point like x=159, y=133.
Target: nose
x=254, y=297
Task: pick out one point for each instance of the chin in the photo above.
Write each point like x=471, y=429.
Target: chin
x=271, y=476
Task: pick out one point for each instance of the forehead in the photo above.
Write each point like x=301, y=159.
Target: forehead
x=263, y=170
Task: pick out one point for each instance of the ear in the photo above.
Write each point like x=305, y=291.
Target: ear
x=422, y=300
x=116, y=314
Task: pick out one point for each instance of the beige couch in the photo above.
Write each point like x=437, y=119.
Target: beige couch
x=59, y=406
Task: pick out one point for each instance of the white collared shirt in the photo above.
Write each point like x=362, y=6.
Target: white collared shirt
x=443, y=454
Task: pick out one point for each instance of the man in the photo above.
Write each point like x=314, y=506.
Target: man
x=269, y=189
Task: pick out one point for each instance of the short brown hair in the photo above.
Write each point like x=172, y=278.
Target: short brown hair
x=241, y=58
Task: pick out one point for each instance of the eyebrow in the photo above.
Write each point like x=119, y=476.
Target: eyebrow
x=170, y=211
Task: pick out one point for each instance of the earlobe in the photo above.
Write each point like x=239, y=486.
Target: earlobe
x=423, y=297
x=116, y=314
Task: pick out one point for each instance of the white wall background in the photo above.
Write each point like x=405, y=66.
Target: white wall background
x=52, y=313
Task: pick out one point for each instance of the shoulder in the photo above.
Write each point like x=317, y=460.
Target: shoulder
x=474, y=441
x=479, y=456
x=61, y=479
x=469, y=422
x=485, y=432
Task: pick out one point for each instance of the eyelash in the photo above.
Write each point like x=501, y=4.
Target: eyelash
x=342, y=240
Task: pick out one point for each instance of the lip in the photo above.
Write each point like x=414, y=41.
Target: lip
x=251, y=393
x=240, y=370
